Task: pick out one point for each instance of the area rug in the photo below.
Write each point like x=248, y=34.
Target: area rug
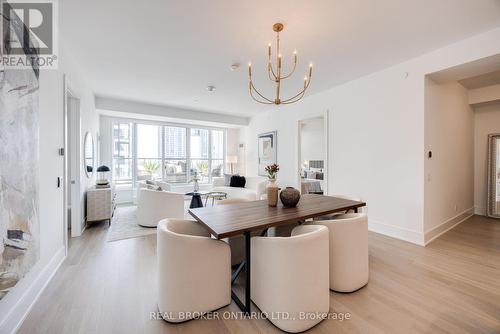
x=125, y=226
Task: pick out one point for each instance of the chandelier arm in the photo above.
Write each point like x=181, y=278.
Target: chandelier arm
x=258, y=93
x=256, y=100
x=270, y=72
x=295, y=98
x=290, y=74
x=302, y=92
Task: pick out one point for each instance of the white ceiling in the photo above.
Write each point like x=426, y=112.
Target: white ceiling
x=167, y=52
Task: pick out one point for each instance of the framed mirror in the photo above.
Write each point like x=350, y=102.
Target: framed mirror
x=493, y=209
x=88, y=154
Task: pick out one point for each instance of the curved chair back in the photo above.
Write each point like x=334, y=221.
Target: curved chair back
x=194, y=270
x=154, y=205
x=349, y=269
x=291, y=275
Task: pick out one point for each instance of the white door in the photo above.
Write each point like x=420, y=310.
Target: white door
x=74, y=160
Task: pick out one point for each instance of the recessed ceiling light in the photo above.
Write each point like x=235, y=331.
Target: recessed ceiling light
x=211, y=88
x=235, y=66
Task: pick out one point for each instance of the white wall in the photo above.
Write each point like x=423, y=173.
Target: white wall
x=15, y=305
x=484, y=95
x=89, y=122
x=311, y=139
x=232, y=148
x=449, y=174
x=376, y=136
x=486, y=121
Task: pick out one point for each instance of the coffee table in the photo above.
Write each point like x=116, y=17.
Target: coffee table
x=215, y=195
x=196, y=201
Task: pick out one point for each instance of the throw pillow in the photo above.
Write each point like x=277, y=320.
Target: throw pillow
x=171, y=169
x=153, y=187
x=238, y=181
x=227, y=180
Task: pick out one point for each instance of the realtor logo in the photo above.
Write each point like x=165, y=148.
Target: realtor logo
x=29, y=36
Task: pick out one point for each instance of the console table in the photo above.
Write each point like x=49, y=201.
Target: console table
x=100, y=204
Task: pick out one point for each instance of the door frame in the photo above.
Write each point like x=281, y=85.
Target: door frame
x=68, y=93
x=326, y=148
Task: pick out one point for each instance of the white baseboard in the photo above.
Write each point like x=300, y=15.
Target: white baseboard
x=14, y=319
x=444, y=227
x=396, y=232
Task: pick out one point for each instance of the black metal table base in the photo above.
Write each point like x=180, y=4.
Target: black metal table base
x=245, y=264
x=245, y=307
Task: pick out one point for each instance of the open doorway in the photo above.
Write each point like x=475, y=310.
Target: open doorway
x=462, y=109
x=72, y=172
x=312, y=155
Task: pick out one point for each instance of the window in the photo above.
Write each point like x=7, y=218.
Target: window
x=122, y=152
x=175, y=155
x=217, y=153
x=148, y=163
x=199, y=153
x=172, y=153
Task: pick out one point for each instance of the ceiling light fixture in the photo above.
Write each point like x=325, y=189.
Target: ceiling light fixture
x=276, y=76
x=211, y=88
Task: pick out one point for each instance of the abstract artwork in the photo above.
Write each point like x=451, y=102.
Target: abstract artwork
x=267, y=147
x=19, y=220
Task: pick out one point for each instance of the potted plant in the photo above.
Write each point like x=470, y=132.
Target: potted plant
x=272, y=188
x=151, y=167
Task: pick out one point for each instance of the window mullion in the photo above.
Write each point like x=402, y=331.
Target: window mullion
x=188, y=154
x=162, y=150
x=209, y=156
x=134, y=154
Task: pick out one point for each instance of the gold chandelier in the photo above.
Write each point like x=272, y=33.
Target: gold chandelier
x=276, y=76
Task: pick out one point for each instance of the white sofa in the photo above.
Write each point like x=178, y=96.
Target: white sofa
x=255, y=187
x=165, y=186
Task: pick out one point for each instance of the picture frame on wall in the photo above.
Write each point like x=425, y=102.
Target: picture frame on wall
x=267, y=151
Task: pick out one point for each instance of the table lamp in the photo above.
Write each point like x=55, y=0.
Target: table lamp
x=101, y=170
x=232, y=159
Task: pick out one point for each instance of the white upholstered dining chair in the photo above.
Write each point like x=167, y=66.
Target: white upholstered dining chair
x=290, y=275
x=349, y=269
x=154, y=205
x=194, y=270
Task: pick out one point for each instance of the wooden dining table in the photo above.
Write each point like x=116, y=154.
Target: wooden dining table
x=225, y=221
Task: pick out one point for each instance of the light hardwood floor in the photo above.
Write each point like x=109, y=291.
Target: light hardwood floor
x=450, y=286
